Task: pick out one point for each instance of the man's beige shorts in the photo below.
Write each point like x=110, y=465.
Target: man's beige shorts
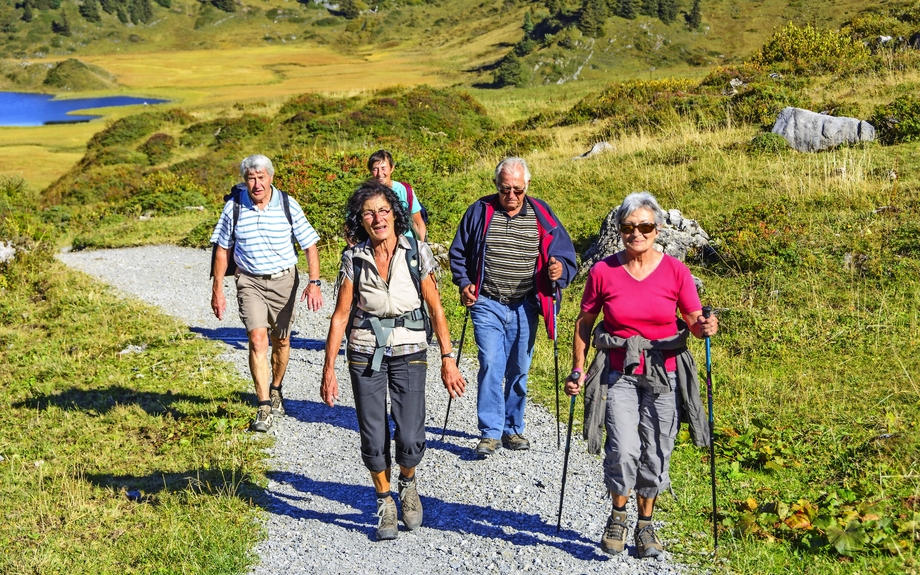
x=268, y=303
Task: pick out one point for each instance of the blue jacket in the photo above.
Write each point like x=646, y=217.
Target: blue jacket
x=468, y=247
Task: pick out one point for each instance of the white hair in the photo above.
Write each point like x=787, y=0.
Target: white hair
x=507, y=163
x=635, y=201
x=256, y=163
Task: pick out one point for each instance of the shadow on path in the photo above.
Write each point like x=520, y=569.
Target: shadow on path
x=236, y=338
x=525, y=529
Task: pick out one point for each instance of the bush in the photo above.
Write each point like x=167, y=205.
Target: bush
x=767, y=143
x=127, y=130
x=311, y=104
x=158, y=148
x=329, y=21
x=166, y=193
x=811, y=50
x=759, y=103
x=898, y=121
x=761, y=236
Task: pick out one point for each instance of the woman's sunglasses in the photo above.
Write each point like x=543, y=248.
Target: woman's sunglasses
x=644, y=227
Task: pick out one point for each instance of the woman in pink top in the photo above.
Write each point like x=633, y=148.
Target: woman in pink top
x=639, y=290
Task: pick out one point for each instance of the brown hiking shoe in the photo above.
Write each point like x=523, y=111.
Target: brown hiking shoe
x=647, y=542
x=386, y=522
x=410, y=504
x=263, y=420
x=487, y=446
x=274, y=394
x=614, y=539
x=515, y=442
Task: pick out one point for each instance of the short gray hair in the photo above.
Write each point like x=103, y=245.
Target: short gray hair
x=635, y=201
x=508, y=163
x=256, y=163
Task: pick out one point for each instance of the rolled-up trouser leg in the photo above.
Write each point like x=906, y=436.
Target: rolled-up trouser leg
x=370, y=390
x=641, y=429
x=407, y=405
x=658, y=425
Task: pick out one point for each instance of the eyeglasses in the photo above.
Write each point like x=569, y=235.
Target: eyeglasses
x=644, y=227
x=382, y=212
x=516, y=191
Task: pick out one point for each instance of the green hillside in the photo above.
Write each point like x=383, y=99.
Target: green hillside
x=815, y=269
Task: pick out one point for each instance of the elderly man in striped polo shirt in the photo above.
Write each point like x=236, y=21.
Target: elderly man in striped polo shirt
x=508, y=257
x=266, y=277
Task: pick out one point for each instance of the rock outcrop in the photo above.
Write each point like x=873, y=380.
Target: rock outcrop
x=808, y=131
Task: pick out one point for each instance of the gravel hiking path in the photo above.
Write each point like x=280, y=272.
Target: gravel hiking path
x=496, y=515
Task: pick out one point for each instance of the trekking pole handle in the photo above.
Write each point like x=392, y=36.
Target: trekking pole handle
x=707, y=311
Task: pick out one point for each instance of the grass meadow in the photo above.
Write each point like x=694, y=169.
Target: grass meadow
x=815, y=273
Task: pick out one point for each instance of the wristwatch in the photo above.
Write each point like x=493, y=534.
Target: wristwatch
x=316, y=282
x=450, y=355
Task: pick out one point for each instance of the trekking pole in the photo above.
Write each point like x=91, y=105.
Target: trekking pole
x=707, y=311
x=450, y=398
x=565, y=464
x=556, y=360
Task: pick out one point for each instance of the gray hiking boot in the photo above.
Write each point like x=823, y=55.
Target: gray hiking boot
x=614, y=539
x=386, y=522
x=647, y=542
x=487, y=446
x=274, y=394
x=263, y=421
x=515, y=442
x=411, y=505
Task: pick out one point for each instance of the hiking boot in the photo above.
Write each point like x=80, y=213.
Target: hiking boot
x=614, y=539
x=410, y=504
x=274, y=394
x=386, y=522
x=647, y=542
x=515, y=442
x=487, y=446
x=263, y=421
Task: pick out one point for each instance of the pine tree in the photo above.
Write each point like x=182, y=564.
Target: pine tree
x=89, y=9
x=648, y=7
x=141, y=11
x=554, y=6
x=62, y=27
x=225, y=5
x=591, y=18
x=528, y=23
x=668, y=10
x=626, y=9
x=695, y=18
x=509, y=73
x=27, y=12
x=110, y=6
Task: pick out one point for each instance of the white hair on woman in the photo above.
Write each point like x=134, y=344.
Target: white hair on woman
x=635, y=201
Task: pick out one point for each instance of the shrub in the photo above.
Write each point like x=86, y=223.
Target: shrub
x=158, y=148
x=166, y=193
x=767, y=143
x=761, y=236
x=127, y=130
x=759, y=103
x=329, y=21
x=898, y=121
x=311, y=104
x=808, y=49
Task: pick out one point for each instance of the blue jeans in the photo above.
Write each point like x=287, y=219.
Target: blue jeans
x=505, y=336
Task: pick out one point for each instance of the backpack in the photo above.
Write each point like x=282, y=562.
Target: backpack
x=236, y=194
x=414, y=263
x=410, y=196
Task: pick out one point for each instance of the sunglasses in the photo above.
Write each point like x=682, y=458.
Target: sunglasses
x=516, y=191
x=644, y=227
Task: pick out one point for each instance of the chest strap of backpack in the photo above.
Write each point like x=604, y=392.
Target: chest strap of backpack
x=383, y=326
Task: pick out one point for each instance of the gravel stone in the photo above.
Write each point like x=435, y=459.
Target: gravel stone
x=491, y=515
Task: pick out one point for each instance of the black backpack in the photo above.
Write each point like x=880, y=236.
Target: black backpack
x=236, y=194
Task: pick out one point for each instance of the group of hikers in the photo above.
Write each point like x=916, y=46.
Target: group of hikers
x=510, y=258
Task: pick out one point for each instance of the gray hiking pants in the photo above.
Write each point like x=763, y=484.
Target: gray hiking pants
x=641, y=429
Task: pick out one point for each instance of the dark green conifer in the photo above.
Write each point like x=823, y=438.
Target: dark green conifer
x=510, y=73
x=27, y=12
x=554, y=6
x=591, y=18
x=695, y=18
x=668, y=10
x=648, y=7
x=62, y=27
x=89, y=9
x=627, y=9
x=528, y=23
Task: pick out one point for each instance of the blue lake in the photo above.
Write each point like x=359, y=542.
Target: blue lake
x=21, y=109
